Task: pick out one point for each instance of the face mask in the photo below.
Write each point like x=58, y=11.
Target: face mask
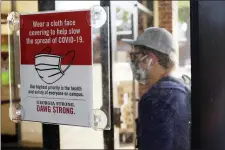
x=48, y=66
x=141, y=74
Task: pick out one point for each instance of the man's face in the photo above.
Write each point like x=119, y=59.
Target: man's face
x=141, y=64
x=141, y=57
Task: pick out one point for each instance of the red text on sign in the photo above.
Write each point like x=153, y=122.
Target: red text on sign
x=63, y=110
x=41, y=108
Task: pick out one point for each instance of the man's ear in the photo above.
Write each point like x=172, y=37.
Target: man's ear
x=154, y=59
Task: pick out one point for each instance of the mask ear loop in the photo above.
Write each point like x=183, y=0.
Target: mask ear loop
x=149, y=63
x=143, y=57
x=70, y=61
x=46, y=48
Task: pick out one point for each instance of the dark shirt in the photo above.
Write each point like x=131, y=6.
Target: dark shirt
x=164, y=116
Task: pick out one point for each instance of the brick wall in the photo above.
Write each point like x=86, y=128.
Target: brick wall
x=165, y=14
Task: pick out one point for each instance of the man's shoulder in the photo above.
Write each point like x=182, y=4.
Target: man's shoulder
x=172, y=84
x=167, y=89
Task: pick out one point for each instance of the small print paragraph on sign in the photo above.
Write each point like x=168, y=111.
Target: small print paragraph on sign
x=49, y=90
x=56, y=107
x=55, y=31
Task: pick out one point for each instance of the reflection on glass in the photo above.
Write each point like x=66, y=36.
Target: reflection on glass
x=123, y=20
x=144, y=21
x=183, y=28
x=96, y=46
x=123, y=98
x=124, y=29
x=30, y=132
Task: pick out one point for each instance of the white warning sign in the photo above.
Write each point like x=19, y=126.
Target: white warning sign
x=56, y=68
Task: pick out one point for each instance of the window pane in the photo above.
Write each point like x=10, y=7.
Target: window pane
x=31, y=132
x=72, y=137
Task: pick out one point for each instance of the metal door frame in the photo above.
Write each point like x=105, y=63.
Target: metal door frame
x=207, y=67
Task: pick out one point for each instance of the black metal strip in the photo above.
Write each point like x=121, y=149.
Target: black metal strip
x=8, y=101
x=6, y=138
x=44, y=5
x=211, y=100
x=195, y=103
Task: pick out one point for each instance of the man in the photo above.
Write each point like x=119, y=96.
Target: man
x=163, y=111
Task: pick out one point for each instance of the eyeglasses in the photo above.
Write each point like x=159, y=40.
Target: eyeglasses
x=138, y=57
x=135, y=55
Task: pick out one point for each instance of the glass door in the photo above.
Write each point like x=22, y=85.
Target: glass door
x=123, y=25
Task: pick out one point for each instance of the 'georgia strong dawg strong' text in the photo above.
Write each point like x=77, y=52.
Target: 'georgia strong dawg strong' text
x=55, y=107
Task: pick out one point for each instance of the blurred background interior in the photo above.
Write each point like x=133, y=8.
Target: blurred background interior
x=128, y=19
